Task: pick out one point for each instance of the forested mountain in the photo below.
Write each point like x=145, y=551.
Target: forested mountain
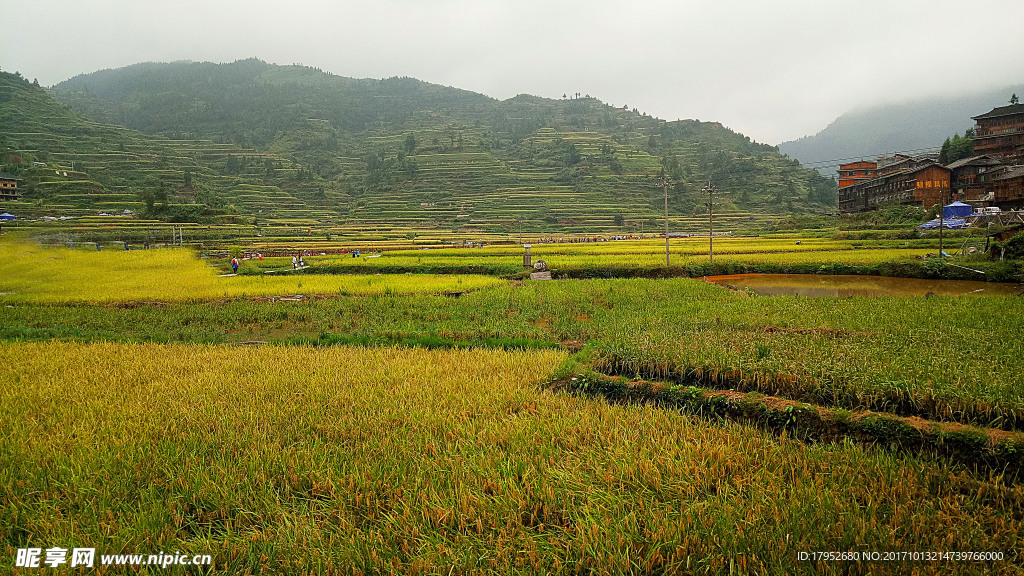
x=921, y=125
x=403, y=150
x=74, y=165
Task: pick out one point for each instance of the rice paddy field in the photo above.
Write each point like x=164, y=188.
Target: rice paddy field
x=34, y=274
x=567, y=259
x=613, y=426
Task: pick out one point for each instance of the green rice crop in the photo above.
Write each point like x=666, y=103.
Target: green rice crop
x=948, y=358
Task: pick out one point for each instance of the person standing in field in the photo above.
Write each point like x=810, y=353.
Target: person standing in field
x=234, y=265
x=295, y=262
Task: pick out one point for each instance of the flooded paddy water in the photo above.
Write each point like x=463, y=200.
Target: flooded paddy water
x=822, y=286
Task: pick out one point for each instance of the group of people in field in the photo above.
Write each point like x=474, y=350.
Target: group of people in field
x=588, y=239
x=298, y=260
x=234, y=261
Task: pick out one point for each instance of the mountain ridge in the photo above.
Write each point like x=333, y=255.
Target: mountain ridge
x=919, y=126
x=400, y=150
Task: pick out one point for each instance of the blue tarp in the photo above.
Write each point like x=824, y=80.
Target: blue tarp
x=957, y=210
x=6, y=216
x=947, y=223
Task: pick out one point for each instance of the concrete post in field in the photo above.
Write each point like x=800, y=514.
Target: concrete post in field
x=664, y=183
x=710, y=189
x=663, y=180
x=941, y=224
x=527, y=257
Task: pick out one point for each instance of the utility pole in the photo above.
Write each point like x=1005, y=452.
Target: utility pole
x=941, y=215
x=664, y=183
x=710, y=189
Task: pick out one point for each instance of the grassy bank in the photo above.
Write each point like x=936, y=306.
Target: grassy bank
x=979, y=448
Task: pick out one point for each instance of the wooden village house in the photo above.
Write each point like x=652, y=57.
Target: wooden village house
x=9, y=188
x=994, y=176
x=970, y=179
x=1000, y=132
x=913, y=181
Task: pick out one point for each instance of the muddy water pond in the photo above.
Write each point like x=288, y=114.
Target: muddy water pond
x=817, y=286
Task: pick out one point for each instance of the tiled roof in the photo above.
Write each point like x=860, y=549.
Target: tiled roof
x=982, y=160
x=1013, y=172
x=1002, y=111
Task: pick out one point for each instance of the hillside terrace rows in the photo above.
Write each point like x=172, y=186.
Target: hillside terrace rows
x=478, y=189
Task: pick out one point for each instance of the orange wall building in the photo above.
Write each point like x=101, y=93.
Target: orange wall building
x=850, y=174
x=925, y=186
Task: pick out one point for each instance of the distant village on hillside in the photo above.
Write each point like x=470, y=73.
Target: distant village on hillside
x=992, y=178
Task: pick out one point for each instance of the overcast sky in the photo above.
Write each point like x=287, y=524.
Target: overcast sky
x=774, y=70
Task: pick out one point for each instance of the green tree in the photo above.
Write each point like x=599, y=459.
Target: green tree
x=944, y=152
x=161, y=197
x=148, y=198
x=957, y=148
x=410, y=144
x=572, y=155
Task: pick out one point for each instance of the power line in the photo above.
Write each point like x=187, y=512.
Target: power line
x=818, y=164
x=711, y=189
x=836, y=161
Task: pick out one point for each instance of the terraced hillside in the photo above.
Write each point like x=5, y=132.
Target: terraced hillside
x=294, y=147
x=73, y=166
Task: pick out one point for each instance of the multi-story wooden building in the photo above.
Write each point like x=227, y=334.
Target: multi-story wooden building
x=850, y=174
x=1008, y=188
x=9, y=188
x=971, y=179
x=1000, y=133
x=901, y=163
x=924, y=184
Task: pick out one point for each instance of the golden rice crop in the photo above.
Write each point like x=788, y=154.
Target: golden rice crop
x=294, y=460
x=32, y=274
x=559, y=259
